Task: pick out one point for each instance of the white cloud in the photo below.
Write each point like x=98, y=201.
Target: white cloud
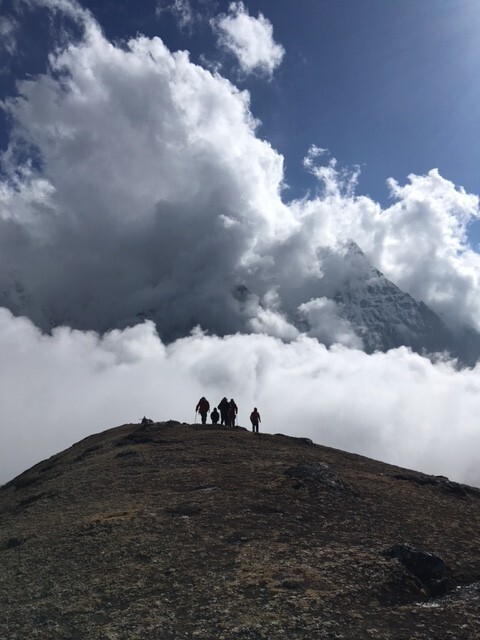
x=181, y=9
x=70, y=8
x=426, y=245
x=327, y=325
x=397, y=407
x=249, y=39
x=8, y=32
x=150, y=167
x=419, y=242
x=155, y=195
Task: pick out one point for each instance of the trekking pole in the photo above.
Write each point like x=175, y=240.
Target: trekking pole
x=195, y=418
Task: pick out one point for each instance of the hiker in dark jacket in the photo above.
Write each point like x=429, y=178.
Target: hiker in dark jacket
x=214, y=416
x=232, y=414
x=202, y=408
x=224, y=407
x=255, y=419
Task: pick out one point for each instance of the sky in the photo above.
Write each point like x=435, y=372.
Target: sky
x=159, y=155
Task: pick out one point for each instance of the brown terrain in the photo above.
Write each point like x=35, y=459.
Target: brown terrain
x=169, y=531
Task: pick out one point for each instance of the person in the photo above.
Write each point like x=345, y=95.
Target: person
x=255, y=419
x=202, y=408
x=214, y=416
x=232, y=413
x=224, y=411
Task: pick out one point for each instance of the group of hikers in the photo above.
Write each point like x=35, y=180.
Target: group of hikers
x=228, y=413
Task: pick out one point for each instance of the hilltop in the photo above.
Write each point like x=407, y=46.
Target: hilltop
x=170, y=531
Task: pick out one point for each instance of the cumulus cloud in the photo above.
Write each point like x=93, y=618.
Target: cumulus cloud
x=419, y=242
x=8, y=29
x=249, y=39
x=65, y=8
x=327, y=325
x=134, y=193
x=397, y=407
x=135, y=186
x=142, y=175
x=182, y=10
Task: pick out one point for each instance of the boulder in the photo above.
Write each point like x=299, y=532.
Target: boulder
x=427, y=567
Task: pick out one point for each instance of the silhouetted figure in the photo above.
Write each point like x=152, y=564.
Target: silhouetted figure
x=214, y=416
x=232, y=413
x=255, y=420
x=202, y=408
x=224, y=407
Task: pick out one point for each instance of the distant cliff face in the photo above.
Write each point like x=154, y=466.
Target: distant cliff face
x=179, y=531
x=385, y=317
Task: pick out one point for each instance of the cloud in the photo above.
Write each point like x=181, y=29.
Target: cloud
x=128, y=185
x=249, y=39
x=397, y=407
x=182, y=11
x=326, y=324
x=419, y=242
x=65, y=8
x=8, y=30
x=135, y=186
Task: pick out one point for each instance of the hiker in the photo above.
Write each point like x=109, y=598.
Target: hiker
x=202, y=408
x=255, y=419
x=224, y=407
x=232, y=413
x=214, y=416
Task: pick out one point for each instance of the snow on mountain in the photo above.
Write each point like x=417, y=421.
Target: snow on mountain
x=357, y=306
x=385, y=317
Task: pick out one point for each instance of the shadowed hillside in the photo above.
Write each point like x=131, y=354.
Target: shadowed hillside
x=172, y=531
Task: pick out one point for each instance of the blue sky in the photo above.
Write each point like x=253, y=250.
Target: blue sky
x=388, y=85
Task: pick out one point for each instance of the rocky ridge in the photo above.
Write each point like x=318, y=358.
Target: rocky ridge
x=170, y=531
x=385, y=317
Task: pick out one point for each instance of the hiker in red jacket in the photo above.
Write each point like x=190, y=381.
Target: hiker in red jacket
x=255, y=419
x=202, y=408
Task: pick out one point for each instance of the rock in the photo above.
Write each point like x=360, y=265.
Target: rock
x=427, y=567
x=296, y=439
x=318, y=471
x=440, y=482
x=11, y=543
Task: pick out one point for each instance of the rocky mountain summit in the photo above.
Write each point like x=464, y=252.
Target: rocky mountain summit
x=173, y=531
x=385, y=317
